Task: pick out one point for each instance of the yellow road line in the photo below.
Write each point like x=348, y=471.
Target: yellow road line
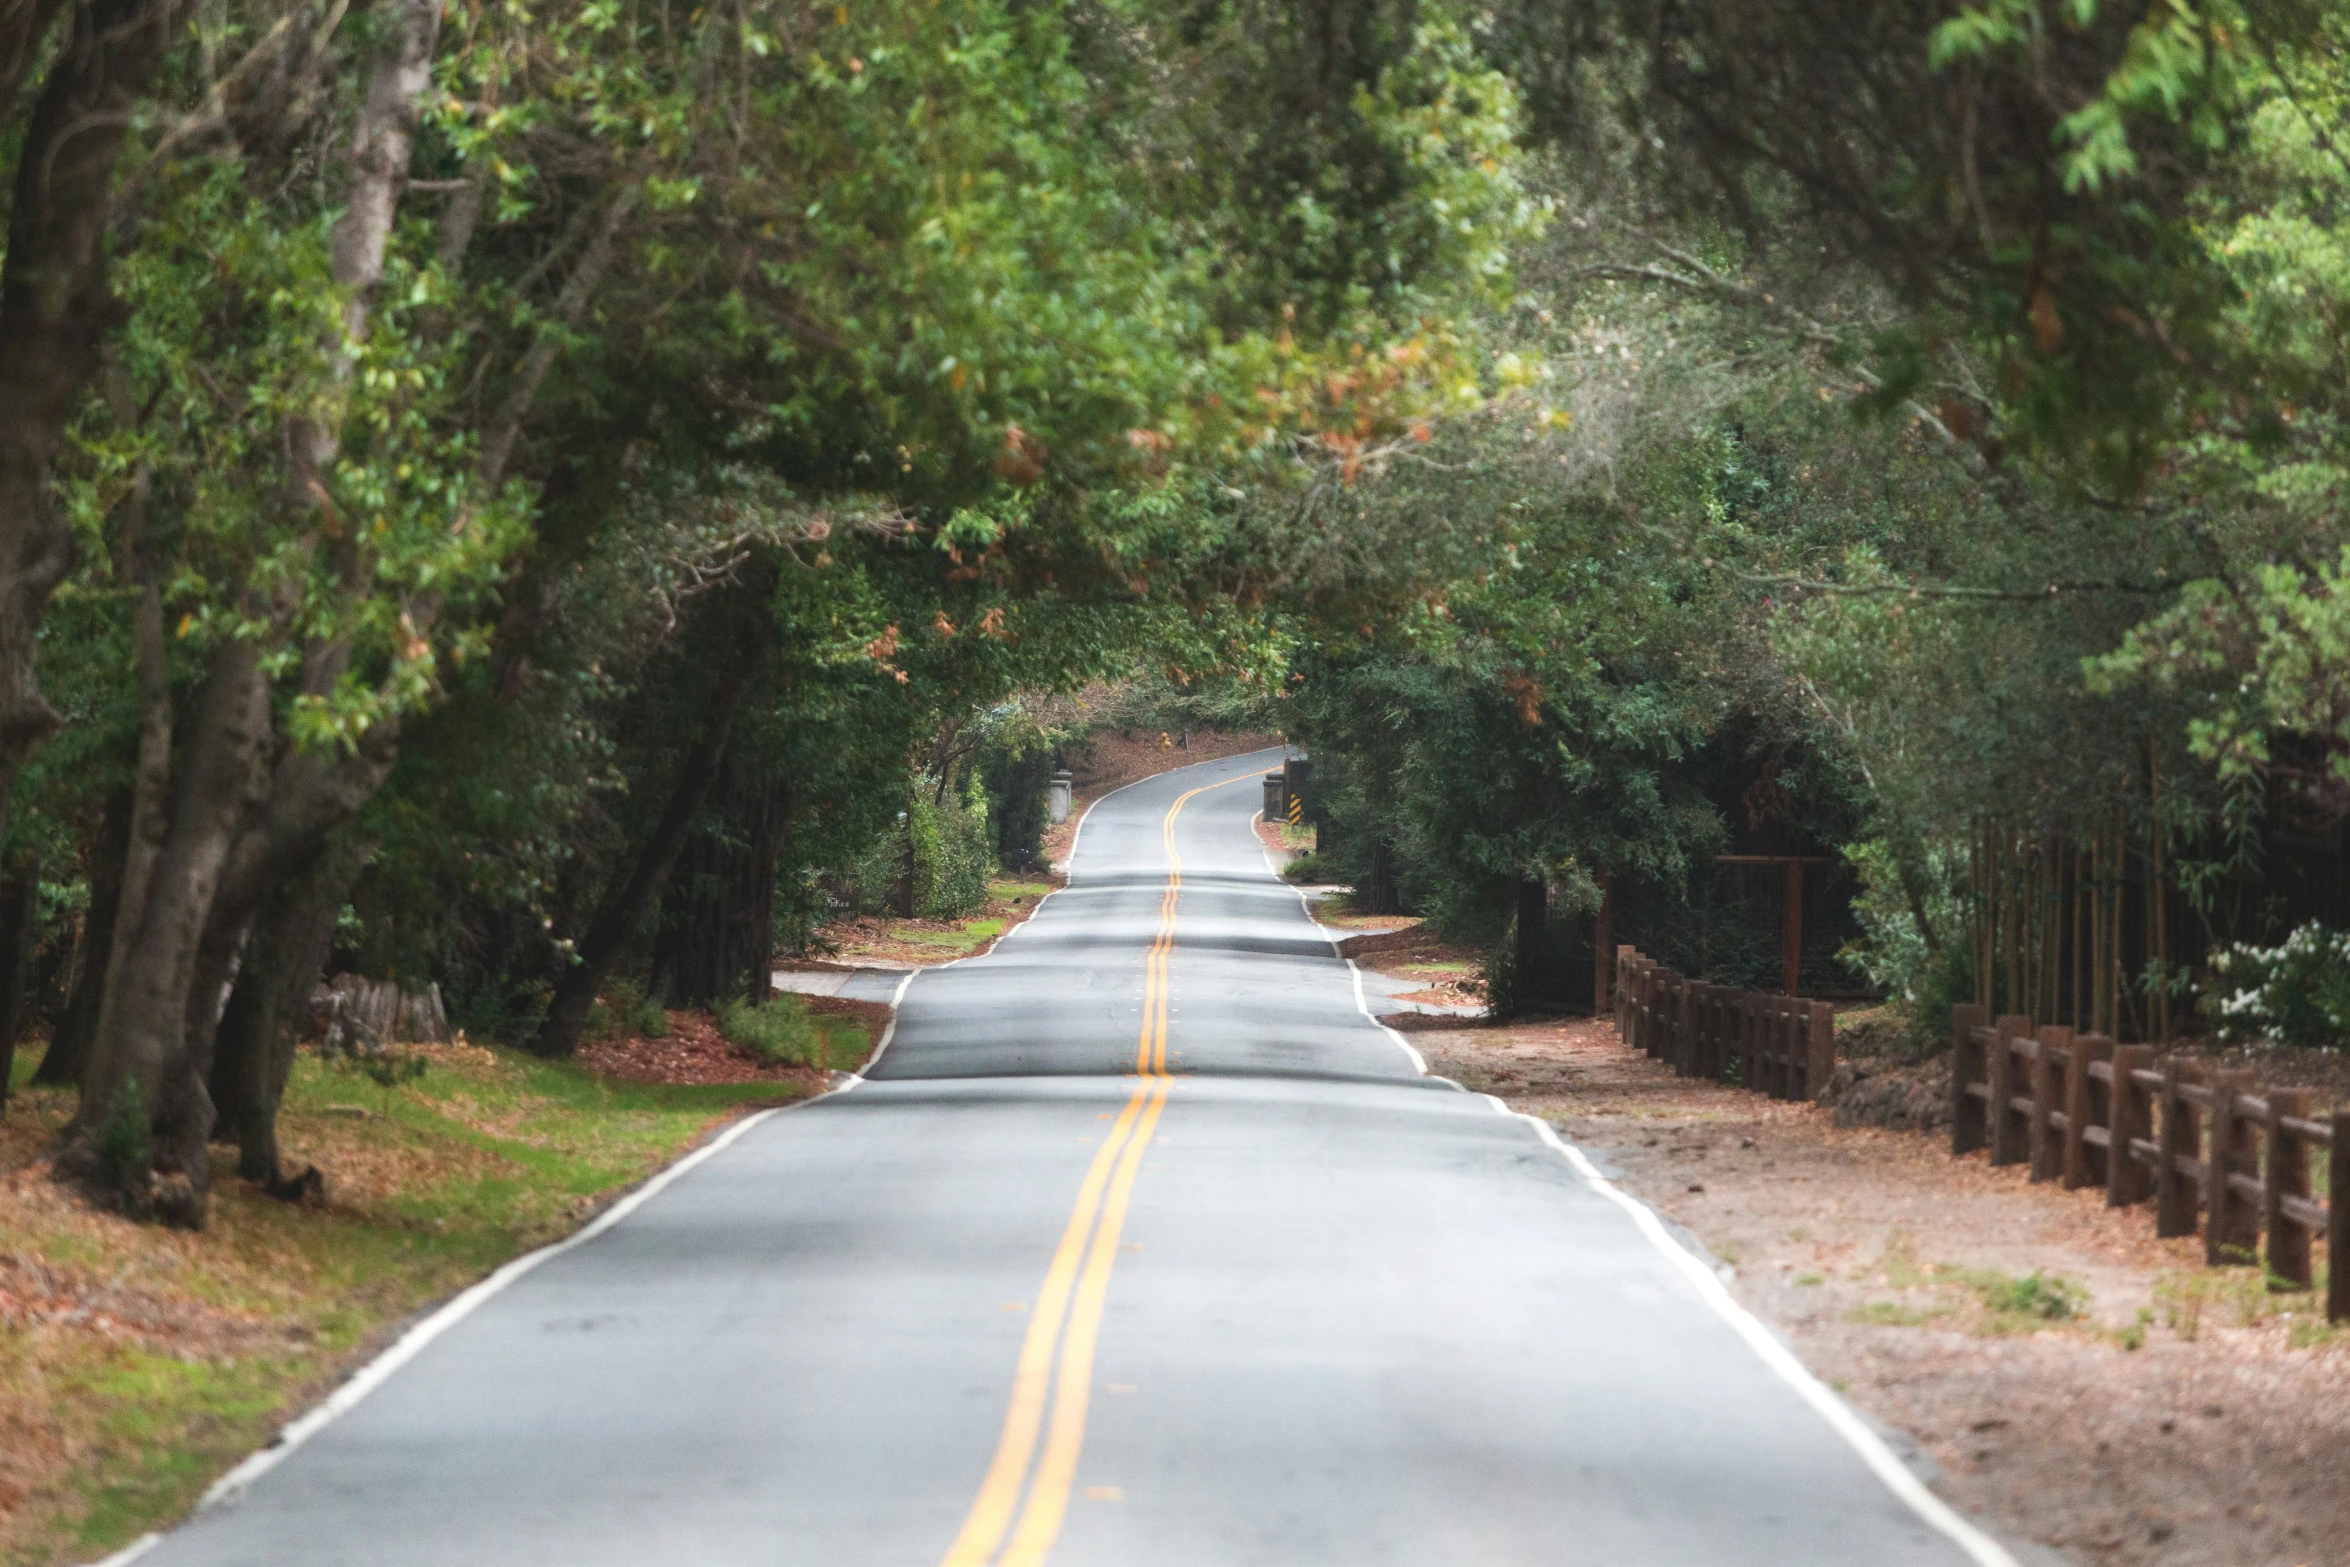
x=1075, y=1299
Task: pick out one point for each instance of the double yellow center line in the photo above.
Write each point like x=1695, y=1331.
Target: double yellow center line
x=1068, y=1313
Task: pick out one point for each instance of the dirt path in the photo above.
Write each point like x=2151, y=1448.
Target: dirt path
x=2185, y=1416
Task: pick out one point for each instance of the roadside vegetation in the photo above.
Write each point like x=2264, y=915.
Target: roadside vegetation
x=547, y=509
x=137, y=1363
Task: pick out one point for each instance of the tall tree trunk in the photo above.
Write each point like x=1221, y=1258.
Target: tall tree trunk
x=284, y=959
x=1533, y=979
x=69, y=1042
x=717, y=940
x=140, y=1057
x=626, y=906
x=55, y=309
x=20, y=909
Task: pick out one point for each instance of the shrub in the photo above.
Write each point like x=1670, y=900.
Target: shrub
x=2297, y=993
x=624, y=1011
x=778, y=1031
x=952, y=856
x=2039, y=1296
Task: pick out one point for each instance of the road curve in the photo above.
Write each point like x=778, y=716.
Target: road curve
x=1140, y=1246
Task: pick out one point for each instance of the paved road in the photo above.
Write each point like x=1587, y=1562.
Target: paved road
x=1142, y=1246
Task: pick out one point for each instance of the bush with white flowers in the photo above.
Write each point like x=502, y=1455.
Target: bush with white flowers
x=2297, y=993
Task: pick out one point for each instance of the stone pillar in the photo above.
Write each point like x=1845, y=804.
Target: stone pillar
x=1057, y=798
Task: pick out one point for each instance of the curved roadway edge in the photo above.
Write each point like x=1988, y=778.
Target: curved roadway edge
x=802, y=1359
x=1697, y=1267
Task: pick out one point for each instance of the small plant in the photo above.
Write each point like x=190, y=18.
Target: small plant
x=625, y=1011
x=2182, y=1301
x=2134, y=1336
x=389, y=1069
x=2297, y=993
x=2023, y=1304
x=778, y=1031
x=2309, y=1332
x=124, y=1146
x=1893, y=1314
x=1807, y=1281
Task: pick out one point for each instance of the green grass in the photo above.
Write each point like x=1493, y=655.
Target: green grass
x=782, y=1029
x=487, y=1155
x=1893, y=1314
x=967, y=933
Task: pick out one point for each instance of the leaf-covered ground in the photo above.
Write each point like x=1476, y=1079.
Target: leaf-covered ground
x=137, y=1363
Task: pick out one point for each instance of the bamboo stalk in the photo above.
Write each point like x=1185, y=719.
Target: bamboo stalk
x=2097, y=926
x=2121, y=884
x=2009, y=933
x=2080, y=946
x=2157, y=915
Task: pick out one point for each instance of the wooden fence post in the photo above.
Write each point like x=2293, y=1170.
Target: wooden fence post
x=2286, y=1175
x=2338, y=1220
x=1644, y=987
x=2178, y=1191
x=1820, y=1053
x=1750, y=1042
x=2128, y=1180
x=1652, y=1011
x=2231, y=1229
x=2088, y=1113
x=1969, y=1126
x=2051, y=1065
x=2009, y=1137
x=1784, y=1047
x=1702, y=1044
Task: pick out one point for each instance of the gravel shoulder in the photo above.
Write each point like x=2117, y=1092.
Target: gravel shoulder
x=2077, y=1382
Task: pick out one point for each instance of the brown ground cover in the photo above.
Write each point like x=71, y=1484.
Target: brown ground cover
x=2185, y=1417
x=885, y=941
x=693, y=1051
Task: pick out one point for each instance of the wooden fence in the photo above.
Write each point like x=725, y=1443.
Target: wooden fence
x=1774, y=1044
x=2211, y=1149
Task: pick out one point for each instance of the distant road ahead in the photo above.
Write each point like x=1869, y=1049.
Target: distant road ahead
x=1141, y=1247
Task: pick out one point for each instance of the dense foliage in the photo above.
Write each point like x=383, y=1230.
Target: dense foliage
x=553, y=502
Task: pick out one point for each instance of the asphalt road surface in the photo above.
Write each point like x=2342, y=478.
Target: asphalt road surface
x=1141, y=1245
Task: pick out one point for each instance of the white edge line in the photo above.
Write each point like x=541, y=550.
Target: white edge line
x=413, y=1342
x=1881, y=1460
x=1419, y=1061
x=889, y=1031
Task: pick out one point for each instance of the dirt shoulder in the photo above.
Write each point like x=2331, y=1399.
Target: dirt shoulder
x=885, y=941
x=2185, y=1416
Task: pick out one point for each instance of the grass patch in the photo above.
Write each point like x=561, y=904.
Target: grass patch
x=2023, y=1305
x=2002, y=1303
x=136, y=1364
x=2238, y=1297
x=1308, y=869
x=1893, y=1314
x=781, y=1031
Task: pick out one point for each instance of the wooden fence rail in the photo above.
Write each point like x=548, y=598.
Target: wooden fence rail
x=2211, y=1149
x=1771, y=1043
